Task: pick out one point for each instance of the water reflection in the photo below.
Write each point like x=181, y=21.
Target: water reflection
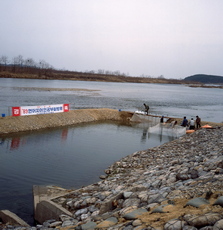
x=64, y=134
x=2, y=140
x=16, y=142
x=144, y=134
x=69, y=157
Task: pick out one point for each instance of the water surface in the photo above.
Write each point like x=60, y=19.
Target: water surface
x=67, y=157
x=75, y=156
x=163, y=99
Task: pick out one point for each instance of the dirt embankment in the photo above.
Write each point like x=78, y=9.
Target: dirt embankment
x=11, y=124
x=35, y=122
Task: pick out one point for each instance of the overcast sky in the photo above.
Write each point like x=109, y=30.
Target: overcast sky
x=173, y=38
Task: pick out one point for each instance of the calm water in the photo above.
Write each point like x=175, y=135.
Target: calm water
x=76, y=156
x=172, y=100
x=69, y=157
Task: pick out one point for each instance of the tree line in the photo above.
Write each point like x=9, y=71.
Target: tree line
x=42, y=69
x=19, y=64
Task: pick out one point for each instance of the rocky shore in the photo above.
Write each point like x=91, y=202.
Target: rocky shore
x=178, y=185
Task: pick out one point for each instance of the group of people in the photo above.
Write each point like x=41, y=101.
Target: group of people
x=192, y=123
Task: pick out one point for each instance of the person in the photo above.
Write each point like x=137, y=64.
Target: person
x=184, y=122
x=198, y=122
x=175, y=123
x=146, y=108
x=161, y=119
x=192, y=124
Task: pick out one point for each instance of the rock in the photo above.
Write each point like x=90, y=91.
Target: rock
x=206, y=228
x=182, y=176
x=197, y=202
x=187, y=227
x=208, y=219
x=219, y=201
x=127, y=194
x=67, y=223
x=84, y=216
x=160, y=209
x=55, y=224
x=131, y=202
x=81, y=211
x=134, y=214
x=218, y=225
x=157, y=198
x=108, y=204
x=89, y=225
x=103, y=177
x=174, y=225
x=136, y=223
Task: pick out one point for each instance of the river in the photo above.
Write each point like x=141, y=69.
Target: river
x=76, y=156
x=163, y=99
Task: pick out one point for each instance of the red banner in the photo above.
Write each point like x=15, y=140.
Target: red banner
x=66, y=107
x=40, y=109
x=15, y=111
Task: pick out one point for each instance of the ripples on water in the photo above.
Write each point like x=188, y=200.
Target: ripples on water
x=164, y=99
x=77, y=156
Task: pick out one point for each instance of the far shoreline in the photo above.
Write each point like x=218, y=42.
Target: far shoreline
x=114, y=79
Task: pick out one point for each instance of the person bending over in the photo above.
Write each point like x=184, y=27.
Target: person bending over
x=146, y=108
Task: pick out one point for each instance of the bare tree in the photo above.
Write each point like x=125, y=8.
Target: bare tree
x=15, y=64
x=1, y=64
x=4, y=61
x=29, y=64
x=44, y=67
x=20, y=61
x=117, y=72
x=101, y=71
x=108, y=72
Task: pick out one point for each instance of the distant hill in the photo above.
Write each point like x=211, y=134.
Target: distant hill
x=206, y=79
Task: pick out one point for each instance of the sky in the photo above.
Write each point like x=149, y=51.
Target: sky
x=169, y=38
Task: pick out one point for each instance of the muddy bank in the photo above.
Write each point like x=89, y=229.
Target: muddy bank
x=35, y=122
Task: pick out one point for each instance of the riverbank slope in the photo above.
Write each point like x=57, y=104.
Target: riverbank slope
x=11, y=124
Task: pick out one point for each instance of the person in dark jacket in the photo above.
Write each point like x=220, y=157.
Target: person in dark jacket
x=184, y=122
x=146, y=108
x=161, y=119
x=198, y=122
